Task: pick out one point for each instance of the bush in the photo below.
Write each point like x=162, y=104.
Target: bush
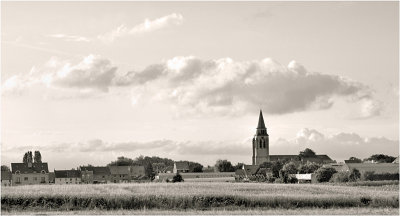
x=177, y=178
x=324, y=174
x=292, y=180
x=371, y=176
x=270, y=178
x=354, y=175
x=340, y=177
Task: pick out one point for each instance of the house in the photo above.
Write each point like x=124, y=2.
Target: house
x=6, y=178
x=120, y=174
x=248, y=172
x=137, y=172
x=86, y=176
x=29, y=173
x=396, y=161
x=181, y=167
x=67, y=177
x=96, y=175
x=52, y=178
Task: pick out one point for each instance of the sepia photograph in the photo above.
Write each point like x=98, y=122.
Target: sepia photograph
x=199, y=107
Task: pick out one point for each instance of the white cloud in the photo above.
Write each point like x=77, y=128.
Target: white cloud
x=228, y=87
x=371, y=108
x=92, y=73
x=339, y=146
x=195, y=86
x=73, y=38
x=146, y=26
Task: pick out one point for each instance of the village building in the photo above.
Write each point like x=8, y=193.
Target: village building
x=261, y=152
x=96, y=175
x=86, y=177
x=6, y=178
x=67, y=177
x=137, y=172
x=52, y=178
x=181, y=167
x=29, y=173
x=125, y=174
x=250, y=172
x=120, y=174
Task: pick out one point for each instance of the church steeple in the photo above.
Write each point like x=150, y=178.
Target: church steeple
x=260, y=143
x=261, y=124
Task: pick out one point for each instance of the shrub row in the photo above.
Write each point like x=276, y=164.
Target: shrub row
x=189, y=202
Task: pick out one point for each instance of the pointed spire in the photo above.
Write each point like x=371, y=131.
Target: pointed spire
x=261, y=124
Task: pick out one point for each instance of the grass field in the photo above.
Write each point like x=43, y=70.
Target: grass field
x=202, y=197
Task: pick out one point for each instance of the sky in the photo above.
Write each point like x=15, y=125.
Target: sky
x=87, y=82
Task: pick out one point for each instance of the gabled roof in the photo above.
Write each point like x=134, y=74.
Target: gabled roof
x=67, y=173
x=248, y=170
x=136, y=169
x=97, y=170
x=23, y=168
x=119, y=170
x=261, y=124
x=181, y=165
x=396, y=160
x=5, y=175
x=375, y=167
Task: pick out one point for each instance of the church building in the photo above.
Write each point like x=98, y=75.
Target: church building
x=260, y=143
x=261, y=152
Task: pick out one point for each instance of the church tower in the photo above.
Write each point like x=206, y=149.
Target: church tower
x=260, y=143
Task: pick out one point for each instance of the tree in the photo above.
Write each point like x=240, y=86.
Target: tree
x=177, y=178
x=275, y=167
x=309, y=167
x=324, y=174
x=27, y=157
x=38, y=157
x=354, y=175
x=224, y=166
x=238, y=166
x=354, y=159
x=5, y=168
x=289, y=168
x=195, y=167
x=122, y=161
x=307, y=153
x=381, y=158
x=342, y=176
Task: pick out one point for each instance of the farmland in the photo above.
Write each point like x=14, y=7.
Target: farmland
x=199, y=196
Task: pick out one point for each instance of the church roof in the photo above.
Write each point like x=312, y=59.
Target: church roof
x=261, y=124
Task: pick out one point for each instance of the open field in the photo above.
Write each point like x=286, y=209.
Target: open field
x=297, y=211
x=201, y=197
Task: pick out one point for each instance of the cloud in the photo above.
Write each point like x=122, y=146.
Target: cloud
x=164, y=146
x=227, y=87
x=371, y=108
x=195, y=86
x=92, y=73
x=146, y=26
x=338, y=146
x=68, y=38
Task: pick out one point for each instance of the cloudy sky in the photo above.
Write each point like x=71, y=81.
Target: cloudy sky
x=86, y=82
